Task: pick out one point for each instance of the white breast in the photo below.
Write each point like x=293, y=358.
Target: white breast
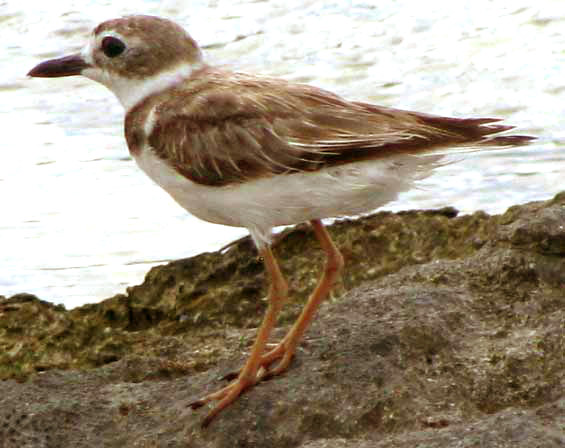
x=262, y=204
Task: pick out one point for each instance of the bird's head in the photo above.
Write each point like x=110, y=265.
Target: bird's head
x=133, y=56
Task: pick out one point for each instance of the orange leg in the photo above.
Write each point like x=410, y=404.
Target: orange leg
x=250, y=374
x=287, y=347
x=257, y=366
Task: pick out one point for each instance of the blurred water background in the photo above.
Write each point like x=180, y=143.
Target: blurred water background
x=79, y=221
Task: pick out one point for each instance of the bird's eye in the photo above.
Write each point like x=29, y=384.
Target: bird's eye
x=112, y=46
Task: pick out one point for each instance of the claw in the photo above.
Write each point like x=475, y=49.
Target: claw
x=197, y=404
x=230, y=376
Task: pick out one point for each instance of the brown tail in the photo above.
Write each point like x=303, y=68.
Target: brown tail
x=476, y=131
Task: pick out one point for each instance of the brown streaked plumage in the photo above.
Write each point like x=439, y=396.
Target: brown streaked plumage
x=258, y=152
x=222, y=127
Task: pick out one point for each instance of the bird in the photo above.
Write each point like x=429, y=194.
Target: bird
x=258, y=152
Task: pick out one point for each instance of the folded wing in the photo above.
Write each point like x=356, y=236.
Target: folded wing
x=253, y=127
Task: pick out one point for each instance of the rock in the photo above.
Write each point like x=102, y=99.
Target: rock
x=446, y=331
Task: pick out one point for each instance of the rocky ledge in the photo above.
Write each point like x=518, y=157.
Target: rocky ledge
x=445, y=331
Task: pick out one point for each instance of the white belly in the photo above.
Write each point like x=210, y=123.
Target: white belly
x=262, y=204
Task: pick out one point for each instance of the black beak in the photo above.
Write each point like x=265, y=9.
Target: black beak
x=56, y=68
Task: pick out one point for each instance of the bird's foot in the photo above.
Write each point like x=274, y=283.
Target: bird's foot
x=225, y=396
x=241, y=382
x=280, y=351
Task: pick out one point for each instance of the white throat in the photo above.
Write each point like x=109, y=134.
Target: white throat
x=131, y=91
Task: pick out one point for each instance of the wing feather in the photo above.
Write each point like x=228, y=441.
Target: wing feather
x=219, y=130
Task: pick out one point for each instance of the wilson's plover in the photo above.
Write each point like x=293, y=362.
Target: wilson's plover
x=258, y=152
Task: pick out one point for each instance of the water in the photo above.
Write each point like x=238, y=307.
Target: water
x=79, y=221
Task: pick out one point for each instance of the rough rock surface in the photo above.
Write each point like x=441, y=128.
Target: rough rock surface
x=444, y=332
